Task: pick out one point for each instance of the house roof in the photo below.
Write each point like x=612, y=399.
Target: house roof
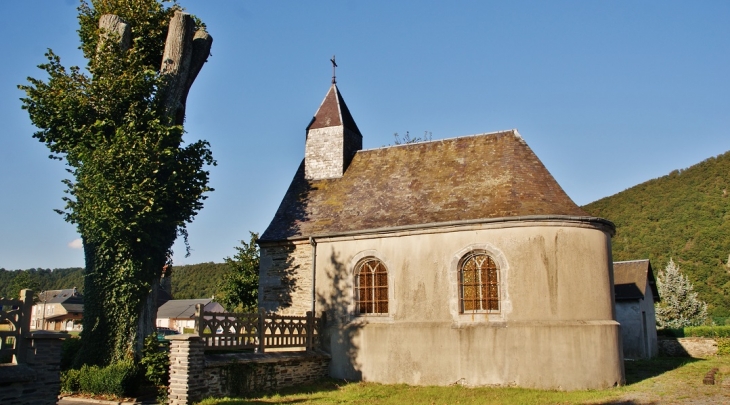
x=333, y=112
x=58, y=296
x=475, y=177
x=630, y=279
x=177, y=309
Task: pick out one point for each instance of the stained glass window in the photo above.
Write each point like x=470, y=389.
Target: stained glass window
x=478, y=283
x=371, y=279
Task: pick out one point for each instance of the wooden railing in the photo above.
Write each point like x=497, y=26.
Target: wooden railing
x=14, y=322
x=257, y=331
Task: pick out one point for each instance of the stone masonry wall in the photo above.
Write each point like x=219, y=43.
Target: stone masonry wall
x=243, y=374
x=36, y=382
x=688, y=347
x=194, y=375
x=324, y=153
x=285, y=278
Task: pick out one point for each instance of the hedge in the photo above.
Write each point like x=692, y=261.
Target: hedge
x=697, y=331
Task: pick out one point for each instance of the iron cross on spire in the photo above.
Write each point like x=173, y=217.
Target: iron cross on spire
x=334, y=66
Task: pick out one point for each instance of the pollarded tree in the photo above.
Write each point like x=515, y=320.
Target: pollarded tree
x=135, y=182
x=239, y=288
x=680, y=306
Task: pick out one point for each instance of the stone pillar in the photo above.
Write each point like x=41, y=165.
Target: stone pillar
x=187, y=362
x=43, y=355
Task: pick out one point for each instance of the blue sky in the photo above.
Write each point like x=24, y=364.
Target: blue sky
x=607, y=94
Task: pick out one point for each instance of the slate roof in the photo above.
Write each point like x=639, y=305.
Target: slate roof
x=475, y=177
x=630, y=279
x=333, y=112
x=177, y=309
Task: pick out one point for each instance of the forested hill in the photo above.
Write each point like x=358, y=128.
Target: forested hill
x=188, y=281
x=684, y=215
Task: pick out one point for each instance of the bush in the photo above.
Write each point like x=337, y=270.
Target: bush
x=69, y=349
x=119, y=379
x=156, y=364
x=723, y=346
x=70, y=381
x=697, y=331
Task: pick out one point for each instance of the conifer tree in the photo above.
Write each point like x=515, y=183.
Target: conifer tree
x=679, y=305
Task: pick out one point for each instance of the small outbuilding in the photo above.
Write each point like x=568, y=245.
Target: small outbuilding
x=636, y=292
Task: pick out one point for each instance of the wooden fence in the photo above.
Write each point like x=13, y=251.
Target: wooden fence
x=14, y=323
x=258, y=331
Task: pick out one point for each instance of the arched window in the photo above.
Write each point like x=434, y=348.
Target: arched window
x=371, y=287
x=478, y=283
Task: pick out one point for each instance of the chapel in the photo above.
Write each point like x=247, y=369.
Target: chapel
x=452, y=261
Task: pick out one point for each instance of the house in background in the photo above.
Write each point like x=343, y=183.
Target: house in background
x=58, y=310
x=180, y=314
x=454, y=261
x=636, y=292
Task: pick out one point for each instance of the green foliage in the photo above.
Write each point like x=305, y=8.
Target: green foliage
x=22, y=281
x=679, y=306
x=156, y=365
x=240, y=285
x=723, y=346
x=69, y=350
x=697, y=331
x=188, y=281
x=46, y=279
x=135, y=184
x=684, y=215
x=118, y=379
x=70, y=381
x=197, y=280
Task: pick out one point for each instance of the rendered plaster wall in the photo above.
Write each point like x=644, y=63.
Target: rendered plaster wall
x=556, y=327
x=638, y=331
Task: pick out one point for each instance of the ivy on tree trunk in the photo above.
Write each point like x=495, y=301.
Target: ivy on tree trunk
x=135, y=182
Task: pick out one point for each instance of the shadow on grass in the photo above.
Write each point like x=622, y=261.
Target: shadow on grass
x=310, y=390
x=640, y=370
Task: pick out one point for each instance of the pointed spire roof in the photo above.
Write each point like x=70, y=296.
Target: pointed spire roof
x=333, y=112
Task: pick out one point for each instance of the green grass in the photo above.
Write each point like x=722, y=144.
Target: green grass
x=662, y=380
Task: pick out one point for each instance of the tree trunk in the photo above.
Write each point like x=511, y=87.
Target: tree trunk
x=113, y=27
x=186, y=50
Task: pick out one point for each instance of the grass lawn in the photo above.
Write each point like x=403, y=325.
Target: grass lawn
x=658, y=381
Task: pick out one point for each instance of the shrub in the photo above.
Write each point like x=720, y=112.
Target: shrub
x=697, y=331
x=707, y=331
x=723, y=346
x=156, y=364
x=119, y=379
x=70, y=381
x=69, y=349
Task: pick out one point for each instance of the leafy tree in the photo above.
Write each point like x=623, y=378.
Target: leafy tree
x=22, y=281
x=239, y=288
x=680, y=306
x=136, y=184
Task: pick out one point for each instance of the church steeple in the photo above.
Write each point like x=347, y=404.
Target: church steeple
x=332, y=138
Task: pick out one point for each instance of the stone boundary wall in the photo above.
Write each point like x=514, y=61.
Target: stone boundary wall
x=195, y=375
x=687, y=347
x=37, y=381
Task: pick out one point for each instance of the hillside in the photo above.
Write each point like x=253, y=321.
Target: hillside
x=188, y=281
x=684, y=215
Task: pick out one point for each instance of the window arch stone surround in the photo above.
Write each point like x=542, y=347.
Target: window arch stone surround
x=503, y=269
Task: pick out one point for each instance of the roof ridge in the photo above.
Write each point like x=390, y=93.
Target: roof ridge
x=513, y=130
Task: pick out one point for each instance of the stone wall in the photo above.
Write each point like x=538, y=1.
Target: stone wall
x=285, y=278
x=37, y=380
x=687, y=347
x=194, y=375
x=244, y=374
